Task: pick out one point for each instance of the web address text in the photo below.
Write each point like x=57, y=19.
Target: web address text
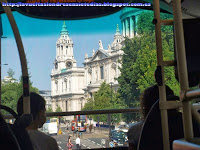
x=19, y=4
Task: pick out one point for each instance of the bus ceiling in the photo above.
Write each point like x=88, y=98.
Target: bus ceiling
x=190, y=9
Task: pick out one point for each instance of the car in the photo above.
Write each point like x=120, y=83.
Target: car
x=118, y=138
x=50, y=128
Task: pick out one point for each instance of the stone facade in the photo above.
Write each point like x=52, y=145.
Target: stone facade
x=67, y=80
x=71, y=86
x=47, y=96
x=103, y=65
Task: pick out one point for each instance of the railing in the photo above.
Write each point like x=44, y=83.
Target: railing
x=89, y=112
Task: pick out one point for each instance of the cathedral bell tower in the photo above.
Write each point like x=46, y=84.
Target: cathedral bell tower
x=118, y=39
x=64, y=51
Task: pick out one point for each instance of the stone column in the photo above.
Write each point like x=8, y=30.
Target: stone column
x=123, y=27
x=131, y=27
x=109, y=69
x=136, y=20
x=127, y=28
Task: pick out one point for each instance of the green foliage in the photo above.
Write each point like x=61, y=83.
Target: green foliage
x=89, y=105
x=10, y=73
x=58, y=109
x=145, y=24
x=10, y=93
x=49, y=110
x=139, y=62
x=105, y=98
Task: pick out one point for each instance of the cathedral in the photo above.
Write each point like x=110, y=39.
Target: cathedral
x=103, y=65
x=71, y=86
x=67, y=80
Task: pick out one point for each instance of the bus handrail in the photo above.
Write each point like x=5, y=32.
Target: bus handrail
x=87, y=112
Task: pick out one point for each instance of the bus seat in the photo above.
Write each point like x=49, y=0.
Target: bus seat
x=181, y=144
x=151, y=135
x=8, y=140
x=17, y=131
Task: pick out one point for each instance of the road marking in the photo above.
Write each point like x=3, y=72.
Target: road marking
x=59, y=142
x=104, y=147
x=93, y=142
x=84, y=145
x=60, y=147
x=98, y=144
x=88, y=140
x=88, y=147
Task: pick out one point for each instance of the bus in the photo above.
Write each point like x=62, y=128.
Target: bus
x=81, y=122
x=73, y=125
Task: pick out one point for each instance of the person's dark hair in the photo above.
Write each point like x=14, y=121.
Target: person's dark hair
x=37, y=103
x=149, y=97
x=69, y=138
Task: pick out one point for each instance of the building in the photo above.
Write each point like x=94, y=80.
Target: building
x=8, y=79
x=46, y=94
x=67, y=80
x=129, y=17
x=103, y=65
x=71, y=86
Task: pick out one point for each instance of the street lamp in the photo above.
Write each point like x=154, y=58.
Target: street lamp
x=81, y=102
x=109, y=115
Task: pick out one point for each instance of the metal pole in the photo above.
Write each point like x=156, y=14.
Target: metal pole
x=1, y=33
x=162, y=90
x=109, y=123
x=182, y=68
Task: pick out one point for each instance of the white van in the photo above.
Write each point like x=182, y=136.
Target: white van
x=50, y=128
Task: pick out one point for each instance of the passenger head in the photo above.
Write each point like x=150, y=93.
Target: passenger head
x=149, y=97
x=37, y=106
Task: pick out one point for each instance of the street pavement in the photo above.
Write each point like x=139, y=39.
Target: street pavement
x=95, y=139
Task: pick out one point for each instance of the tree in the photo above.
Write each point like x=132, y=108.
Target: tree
x=145, y=24
x=105, y=98
x=10, y=92
x=10, y=73
x=58, y=109
x=139, y=61
x=89, y=105
x=49, y=109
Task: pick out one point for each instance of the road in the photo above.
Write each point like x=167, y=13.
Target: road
x=88, y=140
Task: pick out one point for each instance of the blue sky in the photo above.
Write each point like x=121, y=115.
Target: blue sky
x=39, y=38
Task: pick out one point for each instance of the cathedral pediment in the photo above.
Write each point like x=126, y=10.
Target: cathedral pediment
x=100, y=54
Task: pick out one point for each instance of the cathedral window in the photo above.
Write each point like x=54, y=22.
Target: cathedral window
x=62, y=86
x=56, y=65
x=56, y=85
x=65, y=84
x=61, y=50
x=69, y=86
x=102, y=72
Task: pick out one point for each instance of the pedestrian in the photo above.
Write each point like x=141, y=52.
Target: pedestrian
x=78, y=142
x=69, y=144
x=90, y=128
